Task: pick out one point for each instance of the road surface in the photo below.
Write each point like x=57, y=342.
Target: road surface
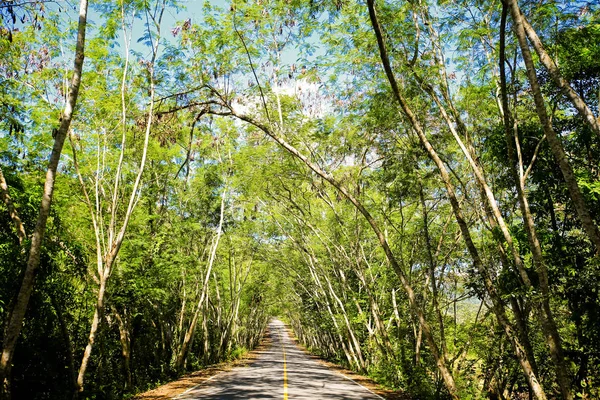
x=281, y=372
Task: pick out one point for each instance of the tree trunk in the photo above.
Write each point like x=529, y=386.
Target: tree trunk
x=106, y=263
x=15, y=323
x=431, y=271
x=125, y=339
x=353, y=339
x=205, y=341
x=98, y=313
x=556, y=146
x=348, y=351
x=549, y=328
x=579, y=104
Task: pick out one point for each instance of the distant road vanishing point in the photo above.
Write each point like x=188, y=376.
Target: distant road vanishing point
x=283, y=371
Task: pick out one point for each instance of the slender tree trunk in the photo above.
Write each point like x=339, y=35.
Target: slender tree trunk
x=179, y=330
x=431, y=271
x=549, y=328
x=219, y=307
x=487, y=194
x=556, y=146
x=353, y=338
x=113, y=207
x=15, y=323
x=205, y=341
x=383, y=336
x=348, y=350
x=125, y=339
x=520, y=320
x=579, y=104
x=98, y=313
x=353, y=341
x=106, y=263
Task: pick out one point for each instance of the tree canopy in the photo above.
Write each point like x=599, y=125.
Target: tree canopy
x=414, y=187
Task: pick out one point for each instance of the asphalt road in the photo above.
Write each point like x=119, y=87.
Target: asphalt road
x=281, y=372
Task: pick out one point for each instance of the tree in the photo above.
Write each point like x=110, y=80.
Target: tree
x=17, y=315
x=382, y=176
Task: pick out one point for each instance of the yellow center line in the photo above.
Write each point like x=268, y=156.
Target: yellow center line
x=285, y=386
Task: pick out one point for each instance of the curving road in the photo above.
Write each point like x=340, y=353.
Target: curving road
x=281, y=372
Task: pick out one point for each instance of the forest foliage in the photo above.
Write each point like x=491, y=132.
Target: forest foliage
x=413, y=186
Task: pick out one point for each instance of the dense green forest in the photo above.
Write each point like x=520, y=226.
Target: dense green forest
x=413, y=186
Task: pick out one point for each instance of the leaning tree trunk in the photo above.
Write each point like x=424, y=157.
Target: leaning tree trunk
x=15, y=323
x=431, y=270
x=348, y=350
x=556, y=146
x=579, y=104
x=98, y=313
x=549, y=328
